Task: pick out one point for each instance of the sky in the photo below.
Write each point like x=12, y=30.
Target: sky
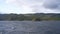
x=29, y=6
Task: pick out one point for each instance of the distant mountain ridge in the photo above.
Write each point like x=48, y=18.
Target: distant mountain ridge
x=41, y=16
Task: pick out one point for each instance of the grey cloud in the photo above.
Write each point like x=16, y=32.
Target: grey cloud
x=36, y=8
x=34, y=0
x=51, y=4
x=34, y=4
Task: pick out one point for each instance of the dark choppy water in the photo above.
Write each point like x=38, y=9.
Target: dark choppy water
x=29, y=27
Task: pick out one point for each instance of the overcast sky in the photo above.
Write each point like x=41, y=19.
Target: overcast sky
x=29, y=6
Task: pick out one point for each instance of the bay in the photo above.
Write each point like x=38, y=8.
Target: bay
x=29, y=27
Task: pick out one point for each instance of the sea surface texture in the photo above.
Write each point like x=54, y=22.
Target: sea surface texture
x=29, y=27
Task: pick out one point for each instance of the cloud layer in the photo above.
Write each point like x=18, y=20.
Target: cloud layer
x=30, y=6
x=52, y=4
